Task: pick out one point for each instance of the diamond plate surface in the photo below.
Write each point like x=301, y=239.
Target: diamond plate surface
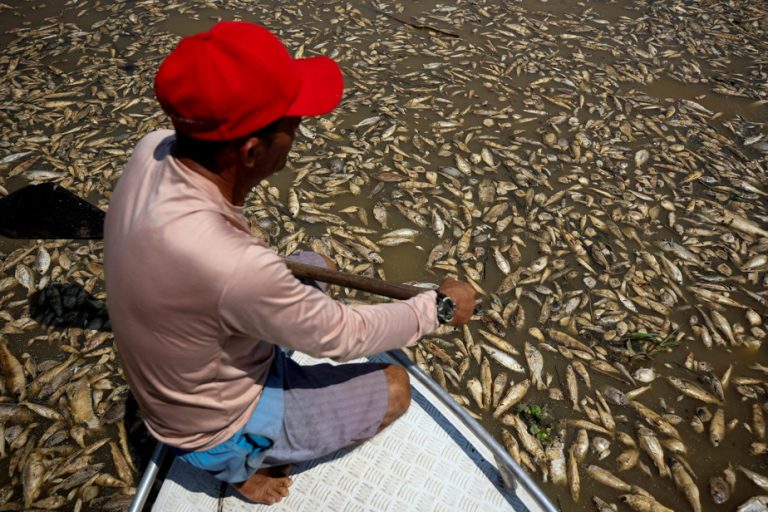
x=420, y=463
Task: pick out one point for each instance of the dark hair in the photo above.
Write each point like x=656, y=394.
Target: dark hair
x=206, y=152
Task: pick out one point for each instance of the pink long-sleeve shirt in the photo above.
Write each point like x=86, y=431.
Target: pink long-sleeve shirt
x=197, y=303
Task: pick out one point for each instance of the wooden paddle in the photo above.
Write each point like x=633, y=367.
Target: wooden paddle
x=51, y=211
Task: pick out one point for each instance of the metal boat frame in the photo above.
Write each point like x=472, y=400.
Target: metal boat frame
x=512, y=475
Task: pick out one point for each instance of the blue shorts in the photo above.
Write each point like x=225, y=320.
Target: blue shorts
x=325, y=408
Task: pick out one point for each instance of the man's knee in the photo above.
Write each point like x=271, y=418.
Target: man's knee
x=399, y=385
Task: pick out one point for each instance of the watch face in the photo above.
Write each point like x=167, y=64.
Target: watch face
x=446, y=309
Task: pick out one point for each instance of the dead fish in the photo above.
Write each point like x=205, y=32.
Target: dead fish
x=501, y=261
x=121, y=465
x=79, y=395
x=574, y=482
x=723, y=326
x=499, y=383
x=753, y=318
x=742, y=224
x=535, y=365
x=32, y=477
x=380, y=214
x=679, y=251
x=367, y=122
x=42, y=261
x=692, y=390
x=627, y=459
x=717, y=427
x=568, y=341
x=504, y=359
x=758, y=421
x=25, y=277
x=757, y=262
x=601, y=446
x=555, y=456
x=476, y=391
x=754, y=504
x=615, y=396
x=43, y=411
x=685, y=485
x=581, y=445
x=516, y=393
x=719, y=489
x=650, y=444
x=486, y=379
x=438, y=225
x=641, y=157
x=603, y=506
x=582, y=372
x=15, y=380
x=499, y=342
x=529, y=442
x=655, y=420
x=50, y=503
x=14, y=156
x=106, y=480
x=52, y=378
x=588, y=425
x=510, y=444
x=294, y=206
x=572, y=387
x=607, y=478
x=640, y=503
x=758, y=479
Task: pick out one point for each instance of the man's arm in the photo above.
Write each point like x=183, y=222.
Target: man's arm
x=264, y=300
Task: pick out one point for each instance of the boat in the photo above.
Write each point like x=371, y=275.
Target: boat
x=435, y=457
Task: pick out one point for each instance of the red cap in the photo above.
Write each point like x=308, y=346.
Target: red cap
x=238, y=77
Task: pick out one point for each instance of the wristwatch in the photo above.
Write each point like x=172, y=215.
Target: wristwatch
x=446, y=308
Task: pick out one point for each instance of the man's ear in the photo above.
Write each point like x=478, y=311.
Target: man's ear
x=252, y=151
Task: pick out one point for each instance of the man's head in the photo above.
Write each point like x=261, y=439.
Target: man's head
x=237, y=78
x=254, y=156
x=237, y=83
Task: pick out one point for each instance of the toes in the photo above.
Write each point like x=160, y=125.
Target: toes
x=265, y=489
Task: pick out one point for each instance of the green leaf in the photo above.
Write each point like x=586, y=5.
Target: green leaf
x=640, y=335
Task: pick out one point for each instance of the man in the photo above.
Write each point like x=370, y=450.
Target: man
x=199, y=306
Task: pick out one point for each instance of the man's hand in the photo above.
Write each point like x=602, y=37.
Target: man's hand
x=463, y=296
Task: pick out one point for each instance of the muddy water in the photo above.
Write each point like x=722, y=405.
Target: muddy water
x=478, y=68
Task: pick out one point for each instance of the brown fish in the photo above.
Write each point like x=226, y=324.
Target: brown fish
x=15, y=381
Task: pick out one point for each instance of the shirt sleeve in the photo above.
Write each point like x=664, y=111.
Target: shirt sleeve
x=265, y=301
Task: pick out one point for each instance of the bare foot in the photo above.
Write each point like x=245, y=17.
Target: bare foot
x=267, y=485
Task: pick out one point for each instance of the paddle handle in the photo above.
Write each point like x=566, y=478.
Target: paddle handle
x=365, y=284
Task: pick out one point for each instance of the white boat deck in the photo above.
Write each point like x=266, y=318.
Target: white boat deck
x=425, y=461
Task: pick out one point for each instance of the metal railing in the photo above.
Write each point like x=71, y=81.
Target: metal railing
x=511, y=472
x=142, y=491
